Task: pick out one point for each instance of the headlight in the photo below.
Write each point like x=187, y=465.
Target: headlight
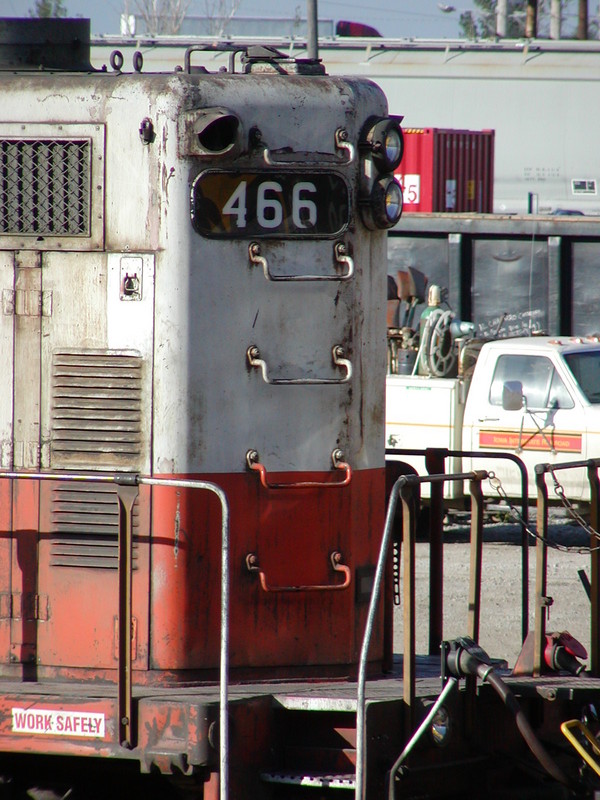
x=381, y=146
x=385, y=202
x=387, y=145
x=383, y=138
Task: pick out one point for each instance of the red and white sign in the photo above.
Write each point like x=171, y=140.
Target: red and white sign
x=84, y=724
x=411, y=188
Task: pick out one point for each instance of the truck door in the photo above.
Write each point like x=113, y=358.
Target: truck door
x=549, y=427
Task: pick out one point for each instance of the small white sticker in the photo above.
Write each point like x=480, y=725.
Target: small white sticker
x=84, y=724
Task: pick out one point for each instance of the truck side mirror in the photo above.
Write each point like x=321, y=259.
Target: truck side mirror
x=512, y=396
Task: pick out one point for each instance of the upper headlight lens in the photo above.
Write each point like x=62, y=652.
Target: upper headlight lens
x=393, y=146
x=385, y=140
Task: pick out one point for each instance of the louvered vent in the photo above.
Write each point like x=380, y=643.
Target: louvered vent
x=45, y=187
x=85, y=526
x=96, y=410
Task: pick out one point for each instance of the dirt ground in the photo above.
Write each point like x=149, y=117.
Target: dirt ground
x=501, y=603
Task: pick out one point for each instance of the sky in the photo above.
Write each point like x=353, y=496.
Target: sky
x=393, y=18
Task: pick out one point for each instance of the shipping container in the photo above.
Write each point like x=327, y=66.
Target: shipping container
x=447, y=170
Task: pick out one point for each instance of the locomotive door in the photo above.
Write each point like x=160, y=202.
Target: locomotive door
x=95, y=371
x=7, y=285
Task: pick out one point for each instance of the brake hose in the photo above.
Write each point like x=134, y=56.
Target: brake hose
x=466, y=657
x=525, y=729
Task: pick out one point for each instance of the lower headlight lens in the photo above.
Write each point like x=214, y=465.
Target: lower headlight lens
x=393, y=201
x=384, y=205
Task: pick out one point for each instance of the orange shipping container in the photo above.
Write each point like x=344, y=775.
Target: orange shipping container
x=447, y=170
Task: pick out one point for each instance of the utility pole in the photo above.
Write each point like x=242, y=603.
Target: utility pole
x=501, y=16
x=531, y=20
x=555, y=19
x=312, y=33
x=582, y=25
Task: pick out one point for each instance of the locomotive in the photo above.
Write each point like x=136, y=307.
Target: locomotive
x=197, y=568
x=193, y=275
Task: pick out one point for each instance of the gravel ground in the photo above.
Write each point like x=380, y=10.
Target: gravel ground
x=500, y=625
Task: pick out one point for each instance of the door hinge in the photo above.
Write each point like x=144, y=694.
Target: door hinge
x=27, y=607
x=27, y=303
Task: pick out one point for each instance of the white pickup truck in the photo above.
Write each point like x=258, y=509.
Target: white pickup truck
x=536, y=397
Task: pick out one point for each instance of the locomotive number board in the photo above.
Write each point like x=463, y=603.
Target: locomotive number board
x=273, y=204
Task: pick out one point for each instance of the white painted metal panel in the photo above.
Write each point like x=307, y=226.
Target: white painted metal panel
x=7, y=288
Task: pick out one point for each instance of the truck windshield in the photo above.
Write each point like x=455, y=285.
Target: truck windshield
x=586, y=371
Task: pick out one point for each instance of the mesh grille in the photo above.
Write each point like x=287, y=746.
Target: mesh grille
x=96, y=410
x=45, y=187
x=85, y=526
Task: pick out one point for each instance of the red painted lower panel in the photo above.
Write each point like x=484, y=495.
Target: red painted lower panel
x=292, y=533
x=64, y=617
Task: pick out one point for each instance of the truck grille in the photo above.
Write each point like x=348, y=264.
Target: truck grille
x=45, y=187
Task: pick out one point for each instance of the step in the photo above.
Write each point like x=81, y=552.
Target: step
x=318, y=780
x=316, y=758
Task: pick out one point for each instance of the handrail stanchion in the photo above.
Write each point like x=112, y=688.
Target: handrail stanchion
x=224, y=657
x=407, y=496
x=541, y=601
x=127, y=491
x=594, y=569
x=476, y=552
x=435, y=459
x=405, y=488
x=360, y=774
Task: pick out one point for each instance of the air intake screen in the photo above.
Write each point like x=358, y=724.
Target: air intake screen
x=45, y=187
x=96, y=410
x=85, y=526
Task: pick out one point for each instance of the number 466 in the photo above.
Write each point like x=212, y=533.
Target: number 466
x=269, y=205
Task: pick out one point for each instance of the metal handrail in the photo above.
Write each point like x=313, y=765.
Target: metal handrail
x=439, y=454
x=127, y=491
x=404, y=487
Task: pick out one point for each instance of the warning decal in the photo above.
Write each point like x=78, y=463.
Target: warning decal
x=84, y=724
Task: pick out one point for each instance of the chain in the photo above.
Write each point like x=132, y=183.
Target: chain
x=559, y=491
x=496, y=484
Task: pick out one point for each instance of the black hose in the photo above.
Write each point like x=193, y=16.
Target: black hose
x=527, y=732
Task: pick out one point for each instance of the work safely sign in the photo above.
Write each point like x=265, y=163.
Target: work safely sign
x=84, y=724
